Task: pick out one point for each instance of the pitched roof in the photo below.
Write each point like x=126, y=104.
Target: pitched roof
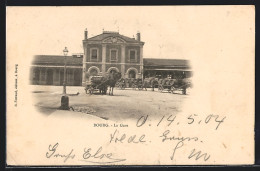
x=104, y=35
x=59, y=61
x=165, y=62
x=56, y=60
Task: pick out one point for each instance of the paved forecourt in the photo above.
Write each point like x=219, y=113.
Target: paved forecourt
x=125, y=104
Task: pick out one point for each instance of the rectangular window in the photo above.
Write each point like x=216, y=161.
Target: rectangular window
x=113, y=55
x=132, y=55
x=94, y=54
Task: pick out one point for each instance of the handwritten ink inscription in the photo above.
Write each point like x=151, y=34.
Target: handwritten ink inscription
x=89, y=155
x=117, y=137
x=53, y=153
x=178, y=145
x=191, y=119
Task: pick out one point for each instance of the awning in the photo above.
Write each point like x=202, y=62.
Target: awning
x=54, y=66
x=163, y=69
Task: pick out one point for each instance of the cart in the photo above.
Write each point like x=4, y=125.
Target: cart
x=165, y=85
x=173, y=85
x=137, y=83
x=121, y=84
x=96, y=84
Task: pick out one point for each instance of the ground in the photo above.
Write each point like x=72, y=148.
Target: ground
x=124, y=104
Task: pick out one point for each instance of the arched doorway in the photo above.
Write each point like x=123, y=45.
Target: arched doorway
x=49, y=80
x=132, y=74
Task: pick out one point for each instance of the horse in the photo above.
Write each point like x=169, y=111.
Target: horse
x=134, y=83
x=150, y=82
x=112, y=80
x=103, y=86
x=182, y=84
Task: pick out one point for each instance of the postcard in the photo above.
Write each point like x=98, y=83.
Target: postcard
x=130, y=85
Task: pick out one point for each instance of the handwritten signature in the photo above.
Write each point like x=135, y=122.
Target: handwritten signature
x=89, y=155
x=53, y=153
x=180, y=143
x=99, y=155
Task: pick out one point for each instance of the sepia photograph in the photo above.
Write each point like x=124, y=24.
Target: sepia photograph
x=130, y=85
x=111, y=65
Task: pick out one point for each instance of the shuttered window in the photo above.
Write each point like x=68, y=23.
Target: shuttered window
x=113, y=55
x=94, y=54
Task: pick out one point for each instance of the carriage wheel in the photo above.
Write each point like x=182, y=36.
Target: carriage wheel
x=122, y=87
x=173, y=89
x=91, y=90
x=184, y=90
x=160, y=88
x=140, y=87
x=87, y=89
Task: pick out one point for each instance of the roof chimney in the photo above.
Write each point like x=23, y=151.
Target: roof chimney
x=86, y=34
x=138, y=36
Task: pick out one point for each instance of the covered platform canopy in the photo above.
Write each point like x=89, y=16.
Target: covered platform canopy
x=167, y=68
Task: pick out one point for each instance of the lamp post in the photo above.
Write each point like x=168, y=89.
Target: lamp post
x=65, y=52
x=64, y=98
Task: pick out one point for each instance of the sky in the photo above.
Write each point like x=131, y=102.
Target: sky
x=178, y=32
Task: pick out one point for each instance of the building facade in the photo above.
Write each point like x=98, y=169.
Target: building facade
x=49, y=70
x=111, y=51
x=103, y=54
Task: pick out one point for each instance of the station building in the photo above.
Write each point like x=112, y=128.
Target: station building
x=103, y=54
x=111, y=51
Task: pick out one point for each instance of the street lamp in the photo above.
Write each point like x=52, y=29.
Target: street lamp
x=64, y=98
x=65, y=52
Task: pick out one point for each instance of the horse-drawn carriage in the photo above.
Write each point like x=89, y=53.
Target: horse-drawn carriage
x=137, y=83
x=180, y=83
x=129, y=83
x=101, y=83
x=121, y=83
x=96, y=84
x=173, y=85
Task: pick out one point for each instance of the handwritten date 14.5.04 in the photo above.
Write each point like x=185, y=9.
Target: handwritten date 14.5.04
x=191, y=119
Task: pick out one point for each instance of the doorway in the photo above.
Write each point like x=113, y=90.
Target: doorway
x=50, y=77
